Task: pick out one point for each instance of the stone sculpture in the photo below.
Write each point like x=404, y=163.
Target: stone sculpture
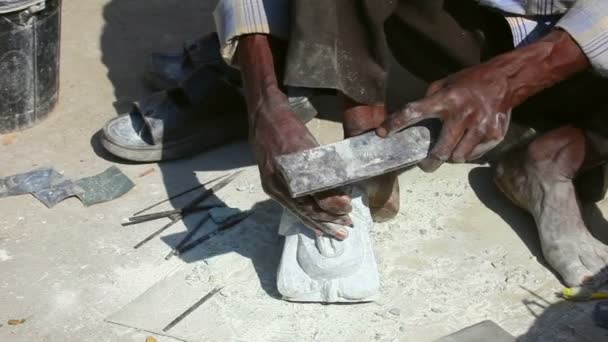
x=323, y=269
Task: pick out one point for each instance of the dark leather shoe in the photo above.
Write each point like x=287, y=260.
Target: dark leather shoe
x=167, y=70
x=204, y=111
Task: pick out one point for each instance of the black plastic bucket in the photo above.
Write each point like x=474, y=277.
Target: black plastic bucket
x=29, y=61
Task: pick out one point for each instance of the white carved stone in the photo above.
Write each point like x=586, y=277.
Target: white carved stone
x=323, y=269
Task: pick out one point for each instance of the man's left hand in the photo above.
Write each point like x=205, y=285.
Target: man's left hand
x=475, y=110
x=475, y=104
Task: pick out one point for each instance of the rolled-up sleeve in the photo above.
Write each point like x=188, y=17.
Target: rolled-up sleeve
x=587, y=23
x=234, y=18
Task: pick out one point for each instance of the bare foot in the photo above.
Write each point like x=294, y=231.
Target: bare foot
x=545, y=190
x=382, y=191
x=383, y=196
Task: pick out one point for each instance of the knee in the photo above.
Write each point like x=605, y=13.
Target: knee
x=561, y=151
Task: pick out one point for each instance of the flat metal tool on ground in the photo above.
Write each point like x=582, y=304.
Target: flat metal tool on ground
x=51, y=187
x=30, y=182
x=104, y=187
x=351, y=160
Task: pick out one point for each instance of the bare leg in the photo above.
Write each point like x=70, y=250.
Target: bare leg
x=539, y=179
x=382, y=191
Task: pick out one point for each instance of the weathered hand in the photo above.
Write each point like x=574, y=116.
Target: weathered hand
x=277, y=131
x=475, y=104
x=475, y=108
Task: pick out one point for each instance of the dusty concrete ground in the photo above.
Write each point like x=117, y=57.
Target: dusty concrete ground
x=458, y=253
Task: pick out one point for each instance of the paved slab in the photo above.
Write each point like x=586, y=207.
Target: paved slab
x=480, y=332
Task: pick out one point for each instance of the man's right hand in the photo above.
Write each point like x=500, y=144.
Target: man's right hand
x=276, y=130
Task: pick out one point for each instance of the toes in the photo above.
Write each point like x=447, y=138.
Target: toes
x=334, y=201
x=596, y=260
x=602, y=256
x=594, y=263
x=589, y=271
x=602, y=251
x=575, y=274
x=569, y=265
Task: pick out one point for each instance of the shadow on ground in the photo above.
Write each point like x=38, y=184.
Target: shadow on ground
x=135, y=28
x=481, y=181
x=562, y=321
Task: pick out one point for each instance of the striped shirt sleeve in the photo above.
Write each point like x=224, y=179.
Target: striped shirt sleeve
x=587, y=23
x=234, y=18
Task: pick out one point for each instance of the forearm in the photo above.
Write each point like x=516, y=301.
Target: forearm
x=237, y=18
x=540, y=65
x=260, y=64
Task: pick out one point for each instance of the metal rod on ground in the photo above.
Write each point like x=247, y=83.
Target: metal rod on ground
x=179, y=195
x=192, y=308
x=152, y=217
x=196, y=201
x=174, y=220
x=231, y=222
x=188, y=236
x=217, y=187
x=177, y=216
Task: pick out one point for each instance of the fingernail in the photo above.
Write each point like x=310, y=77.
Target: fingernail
x=430, y=164
x=587, y=280
x=341, y=234
x=458, y=159
x=381, y=132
